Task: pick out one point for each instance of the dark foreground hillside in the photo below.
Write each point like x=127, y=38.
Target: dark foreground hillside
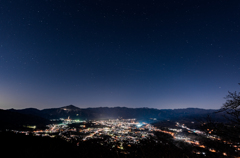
x=22, y=146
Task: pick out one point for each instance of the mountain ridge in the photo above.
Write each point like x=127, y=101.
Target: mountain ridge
x=14, y=119
x=75, y=112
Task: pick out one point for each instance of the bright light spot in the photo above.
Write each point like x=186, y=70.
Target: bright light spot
x=139, y=125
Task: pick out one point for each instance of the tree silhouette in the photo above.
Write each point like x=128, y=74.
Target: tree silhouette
x=231, y=107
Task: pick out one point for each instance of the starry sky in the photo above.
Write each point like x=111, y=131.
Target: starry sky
x=163, y=54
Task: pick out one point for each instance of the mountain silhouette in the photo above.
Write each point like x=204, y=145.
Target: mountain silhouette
x=116, y=112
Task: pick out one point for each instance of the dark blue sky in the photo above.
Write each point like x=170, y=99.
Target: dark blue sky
x=138, y=53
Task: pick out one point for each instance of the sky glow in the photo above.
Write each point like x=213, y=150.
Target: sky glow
x=157, y=54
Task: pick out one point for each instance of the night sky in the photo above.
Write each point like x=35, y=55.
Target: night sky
x=161, y=54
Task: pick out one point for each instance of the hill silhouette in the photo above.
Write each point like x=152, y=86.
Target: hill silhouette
x=16, y=120
x=119, y=112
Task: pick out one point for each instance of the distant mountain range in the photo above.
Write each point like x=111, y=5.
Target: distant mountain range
x=118, y=112
x=12, y=119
